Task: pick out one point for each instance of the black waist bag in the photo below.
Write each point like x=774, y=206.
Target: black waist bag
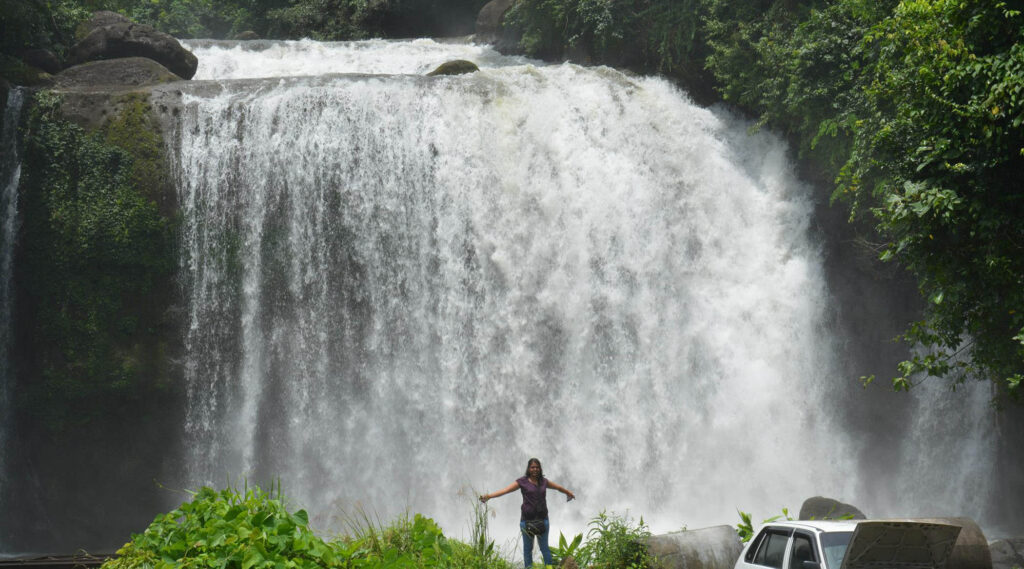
x=534, y=527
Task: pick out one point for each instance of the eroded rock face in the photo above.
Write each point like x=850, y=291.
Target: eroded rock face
x=126, y=71
x=1007, y=553
x=489, y=29
x=821, y=508
x=127, y=39
x=455, y=67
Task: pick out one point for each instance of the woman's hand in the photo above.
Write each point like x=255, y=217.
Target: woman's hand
x=483, y=499
x=569, y=496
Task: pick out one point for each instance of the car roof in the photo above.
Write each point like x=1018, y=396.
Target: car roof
x=818, y=526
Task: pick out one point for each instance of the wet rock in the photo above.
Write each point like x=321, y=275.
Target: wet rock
x=126, y=72
x=42, y=59
x=715, y=547
x=1007, y=553
x=821, y=508
x=18, y=72
x=247, y=35
x=127, y=39
x=455, y=67
x=98, y=20
x=489, y=28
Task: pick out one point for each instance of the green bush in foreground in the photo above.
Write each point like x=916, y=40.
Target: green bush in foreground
x=231, y=530
x=252, y=529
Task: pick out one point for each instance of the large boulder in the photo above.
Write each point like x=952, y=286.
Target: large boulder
x=821, y=508
x=127, y=39
x=126, y=72
x=715, y=547
x=455, y=67
x=1007, y=553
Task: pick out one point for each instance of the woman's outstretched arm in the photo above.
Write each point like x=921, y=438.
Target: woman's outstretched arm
x=561, y=489
x=510, y=488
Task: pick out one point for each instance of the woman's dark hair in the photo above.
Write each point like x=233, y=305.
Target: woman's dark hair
x=531, y=461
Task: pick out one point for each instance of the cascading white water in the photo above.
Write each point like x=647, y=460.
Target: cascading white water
x=401, y=287
x=10, y=174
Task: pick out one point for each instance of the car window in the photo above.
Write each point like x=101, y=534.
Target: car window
x=834, y=545
x=803, y=550
x=772, y=549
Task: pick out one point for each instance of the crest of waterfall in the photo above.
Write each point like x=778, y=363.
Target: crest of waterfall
x=400, y=288
x=10, y=174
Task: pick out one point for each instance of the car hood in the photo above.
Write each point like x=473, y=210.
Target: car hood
x=900, y=544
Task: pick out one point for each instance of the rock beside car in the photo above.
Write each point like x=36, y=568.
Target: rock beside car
x=822, y=508
x=1007, y=553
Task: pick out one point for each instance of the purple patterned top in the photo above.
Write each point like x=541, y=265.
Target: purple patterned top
x=535, y=504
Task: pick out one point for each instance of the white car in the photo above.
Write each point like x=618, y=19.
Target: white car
x=853, y=544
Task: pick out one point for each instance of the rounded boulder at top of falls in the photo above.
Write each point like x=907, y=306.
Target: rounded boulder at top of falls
x=126, y=71
x=128, y=39
x=821, y=508
x=455, y=67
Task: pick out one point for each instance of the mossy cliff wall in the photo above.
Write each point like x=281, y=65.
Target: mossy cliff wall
x=95, y=387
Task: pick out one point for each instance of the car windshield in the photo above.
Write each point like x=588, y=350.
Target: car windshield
x=834, y=544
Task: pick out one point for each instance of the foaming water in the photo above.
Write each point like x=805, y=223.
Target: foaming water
x=400, y=288
x=225, y=59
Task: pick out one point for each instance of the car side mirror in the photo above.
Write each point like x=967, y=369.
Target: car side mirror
x=810, y=565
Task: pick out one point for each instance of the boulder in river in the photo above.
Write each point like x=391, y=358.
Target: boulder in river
x=455, y=67
x=128, y=39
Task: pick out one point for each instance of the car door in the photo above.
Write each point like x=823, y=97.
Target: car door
x=802, y=550
x=767, y=550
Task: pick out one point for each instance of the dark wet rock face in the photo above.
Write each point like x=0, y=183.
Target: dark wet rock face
x=489, y=28
x=42, y=59
x=247, y=36
x=127, y=39
x=127, y=72
x=455, y=67
x=98, y=20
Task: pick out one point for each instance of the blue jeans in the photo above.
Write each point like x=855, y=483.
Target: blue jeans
x=528, y=544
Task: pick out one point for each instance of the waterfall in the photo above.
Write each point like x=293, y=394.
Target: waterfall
x=399, y=288
x=10, y=173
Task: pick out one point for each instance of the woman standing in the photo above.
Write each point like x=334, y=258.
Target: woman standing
x=533, y=521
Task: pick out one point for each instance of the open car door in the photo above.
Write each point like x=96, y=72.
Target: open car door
x=899, y=544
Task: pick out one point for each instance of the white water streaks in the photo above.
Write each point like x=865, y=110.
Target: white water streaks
x=400, y=288
x=10, y=174
x=266, y=58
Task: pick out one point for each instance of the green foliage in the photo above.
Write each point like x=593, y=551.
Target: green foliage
x=654, y=35
x=745, y=528
x=95, y=259
x=231, y=529
x=36, y=23
x=937, y=153
x=252, y=529
x=566, y=549
x=615, y=541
